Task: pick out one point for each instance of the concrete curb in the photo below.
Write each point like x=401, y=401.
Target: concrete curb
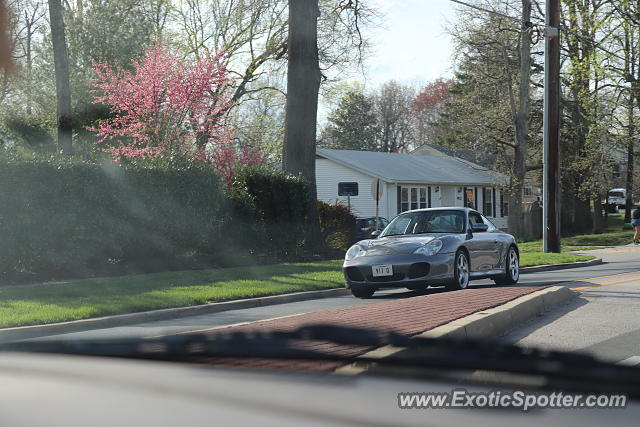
x=551, y=267
x=499, y=320
x=36, y=331
x=487, y=323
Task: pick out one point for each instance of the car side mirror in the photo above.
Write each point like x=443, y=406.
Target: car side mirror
x=375, y=234
x=479, y=228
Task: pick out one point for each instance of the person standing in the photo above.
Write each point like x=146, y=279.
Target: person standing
x=635, y=222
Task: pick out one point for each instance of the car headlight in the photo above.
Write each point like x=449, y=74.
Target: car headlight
x=354, y=252
x=431, y=248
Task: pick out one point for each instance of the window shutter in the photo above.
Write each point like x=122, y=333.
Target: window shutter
x=493, y=197
x=399, y=196
x=429, y=196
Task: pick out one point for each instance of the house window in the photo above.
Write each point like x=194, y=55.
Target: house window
x=487, y=197
x=404, y=205
x=414, y=198
x=469, y=198
x=504, y=206
x=527, y=188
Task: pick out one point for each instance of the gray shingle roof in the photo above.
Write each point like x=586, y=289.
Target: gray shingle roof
x=414, y=168
x=481, y=158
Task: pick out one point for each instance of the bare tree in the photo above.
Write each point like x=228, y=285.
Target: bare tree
x=490, y=109
x=627, y=67
x=31, y=19
x=61, y=64
x=253, y=34
x=521, y=117
x=393, y=108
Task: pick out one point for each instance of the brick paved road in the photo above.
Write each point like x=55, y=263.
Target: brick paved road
x=408, y=316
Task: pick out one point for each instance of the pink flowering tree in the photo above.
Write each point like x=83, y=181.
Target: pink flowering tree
x=168, y=106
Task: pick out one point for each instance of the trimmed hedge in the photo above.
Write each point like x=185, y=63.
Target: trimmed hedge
x=63, y=219
x=270, y=208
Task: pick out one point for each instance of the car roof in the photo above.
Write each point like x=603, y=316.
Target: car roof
x=440, y=209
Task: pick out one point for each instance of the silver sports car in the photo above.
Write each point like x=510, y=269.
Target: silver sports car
x=443, y=246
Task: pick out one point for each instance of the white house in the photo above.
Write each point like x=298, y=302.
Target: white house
x=407, y=181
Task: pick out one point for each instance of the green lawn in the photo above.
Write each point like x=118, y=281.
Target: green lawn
x=529, y=259
x=35, y=304
x=614, y=236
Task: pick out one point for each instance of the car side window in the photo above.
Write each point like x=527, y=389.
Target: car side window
x=474, y=218
x=491, y=226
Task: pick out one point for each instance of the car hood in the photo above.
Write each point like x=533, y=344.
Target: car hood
x=395, y=245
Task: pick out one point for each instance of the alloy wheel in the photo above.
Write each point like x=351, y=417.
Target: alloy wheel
x=514, y=265
x=462, y=271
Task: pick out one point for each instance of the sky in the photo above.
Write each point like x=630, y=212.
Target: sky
x=412, y=47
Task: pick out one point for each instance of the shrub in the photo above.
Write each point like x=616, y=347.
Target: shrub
x=62, y=218
x=70, y=218
x=337, y=225
x=33, y=133
x=273, y=206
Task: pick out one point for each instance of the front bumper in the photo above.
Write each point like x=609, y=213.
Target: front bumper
x=408, y=270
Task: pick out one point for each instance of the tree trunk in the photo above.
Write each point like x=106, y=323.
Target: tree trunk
x=522, y=125
x=583, y=221
x=61, y=65
x=568, y=211
x=303, y=84
x=598, y=218
x=630, y=159
x=5, y=38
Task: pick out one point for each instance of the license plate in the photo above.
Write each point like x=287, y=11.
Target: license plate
x=382, y=270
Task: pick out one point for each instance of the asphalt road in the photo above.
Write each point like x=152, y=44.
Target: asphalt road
x=547, y=331
x=604, y=321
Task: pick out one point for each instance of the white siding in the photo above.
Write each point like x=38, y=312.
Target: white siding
x=329, y=174
x=391, y=200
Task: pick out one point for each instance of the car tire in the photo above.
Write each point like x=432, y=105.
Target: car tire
x=363, y=292
x=460, y=271
x=511, y=269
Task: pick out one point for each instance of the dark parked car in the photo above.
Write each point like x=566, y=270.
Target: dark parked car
x=366, y=226
x=443, y=246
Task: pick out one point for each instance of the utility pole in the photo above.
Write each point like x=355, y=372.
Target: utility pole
x=551, y=197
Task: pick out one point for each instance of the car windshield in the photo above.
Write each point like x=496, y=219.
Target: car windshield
x=177, y=166
x=439, y=221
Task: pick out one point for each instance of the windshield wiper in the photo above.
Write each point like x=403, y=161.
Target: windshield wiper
x=572, y=371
